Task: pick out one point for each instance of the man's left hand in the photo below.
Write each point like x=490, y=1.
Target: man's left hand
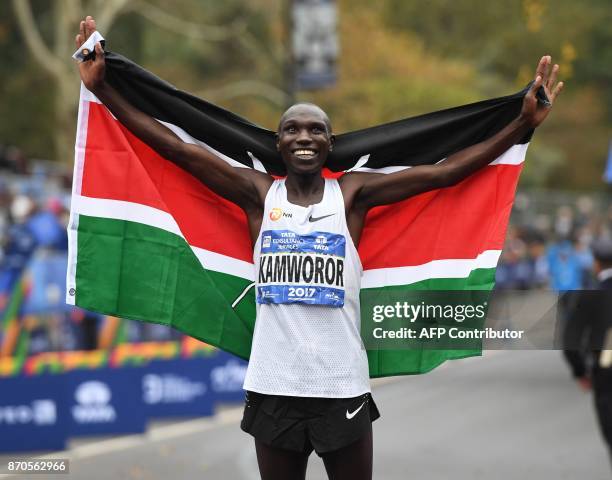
x=534, y=112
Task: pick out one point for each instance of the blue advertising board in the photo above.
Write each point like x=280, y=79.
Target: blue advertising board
x=226, y=377
x=105, y=401
x=173, y=388
x=33, y=414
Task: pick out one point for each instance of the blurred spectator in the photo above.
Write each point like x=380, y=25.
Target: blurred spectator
x=587, y=338
x=564, y=266
x=557, y=230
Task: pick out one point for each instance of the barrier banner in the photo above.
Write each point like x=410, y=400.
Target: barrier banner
x=227, y=377
x=105, y=401
x=174, y=388
x=33, y=416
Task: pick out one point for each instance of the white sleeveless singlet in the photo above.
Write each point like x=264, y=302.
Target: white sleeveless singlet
x=308, y=274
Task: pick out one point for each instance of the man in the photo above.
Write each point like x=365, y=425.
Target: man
x=307, y=380
x=588, y=339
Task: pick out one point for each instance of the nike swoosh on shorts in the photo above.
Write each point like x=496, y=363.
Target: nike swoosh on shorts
x=352, y=414
x=316, y=219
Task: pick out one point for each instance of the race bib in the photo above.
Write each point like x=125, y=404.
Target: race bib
x=296, y=268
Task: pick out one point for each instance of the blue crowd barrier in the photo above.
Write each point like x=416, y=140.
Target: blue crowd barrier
x=33, y=413
x=175, y=388
x=105, y=401
x=39, y=413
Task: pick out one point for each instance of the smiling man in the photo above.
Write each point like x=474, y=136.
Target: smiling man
x=307, y=379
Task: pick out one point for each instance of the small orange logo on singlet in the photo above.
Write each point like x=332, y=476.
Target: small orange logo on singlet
x=275, y=214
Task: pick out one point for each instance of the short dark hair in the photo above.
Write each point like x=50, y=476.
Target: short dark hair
x=306, y=104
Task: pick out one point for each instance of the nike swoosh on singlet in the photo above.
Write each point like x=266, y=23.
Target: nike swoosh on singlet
x=316, y=219
x=351, y=415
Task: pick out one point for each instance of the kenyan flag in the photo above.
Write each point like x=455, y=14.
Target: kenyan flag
x=149, y=242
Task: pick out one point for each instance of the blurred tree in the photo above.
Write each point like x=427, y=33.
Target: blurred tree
x=54, y=57
x=504, y=41
x=49, y=38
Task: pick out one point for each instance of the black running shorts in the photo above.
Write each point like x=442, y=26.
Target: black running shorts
x=304, y=424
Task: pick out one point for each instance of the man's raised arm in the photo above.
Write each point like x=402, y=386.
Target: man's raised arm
x=243, y=186
x=379, y=189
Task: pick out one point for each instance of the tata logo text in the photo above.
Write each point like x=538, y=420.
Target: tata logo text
x=93, y=399
x=277, y=213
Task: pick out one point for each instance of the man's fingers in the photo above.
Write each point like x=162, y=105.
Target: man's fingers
x=553, y=77
x=78, y=41
x=556, y=91
x=82, y=28
x=541, y=67
x=88, y=26
x=546, y=69
x=537, y=83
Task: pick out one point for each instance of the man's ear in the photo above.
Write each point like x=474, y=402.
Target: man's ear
x=277, y=138
x=332, y=142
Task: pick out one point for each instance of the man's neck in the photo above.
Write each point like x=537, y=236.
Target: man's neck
x=304, y=187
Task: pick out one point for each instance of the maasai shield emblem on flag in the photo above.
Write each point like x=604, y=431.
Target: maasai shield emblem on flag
x=151, y=243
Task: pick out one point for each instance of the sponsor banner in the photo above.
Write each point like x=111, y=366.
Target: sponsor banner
x=172, y=388
x=104, y=401
x=33, y=416
x=226, y=377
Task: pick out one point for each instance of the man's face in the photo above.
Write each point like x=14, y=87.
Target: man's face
x=304, y=139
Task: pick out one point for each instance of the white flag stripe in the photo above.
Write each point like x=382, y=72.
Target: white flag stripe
x=257, y=165
x=386, y=170
x=515, y=155
x=88, y=96
x=449, y=268
x=120, y=210
x=73, y=222
x=185, y=137
x=360, y=163
x=224, y=264
x=153, y=217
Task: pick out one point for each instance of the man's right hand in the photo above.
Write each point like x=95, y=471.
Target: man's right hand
x=92, y=71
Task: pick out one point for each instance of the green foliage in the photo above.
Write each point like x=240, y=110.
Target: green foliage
x=506, y=39
x=26, y=105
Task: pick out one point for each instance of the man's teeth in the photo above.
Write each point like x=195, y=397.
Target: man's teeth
x=304, y=152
